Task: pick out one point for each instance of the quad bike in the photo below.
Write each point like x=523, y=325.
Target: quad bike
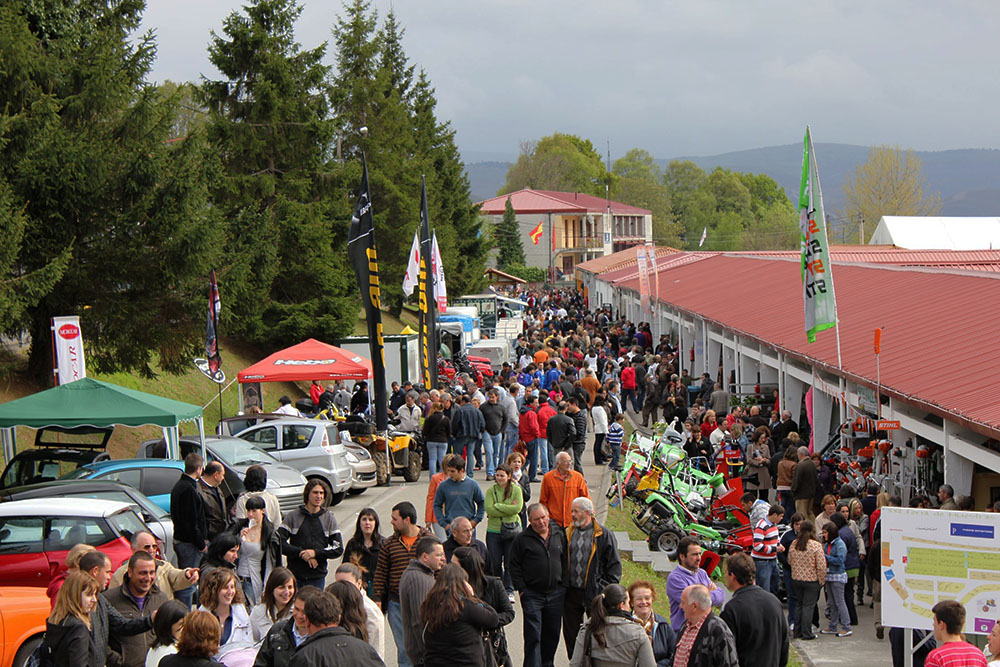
x=405, y=452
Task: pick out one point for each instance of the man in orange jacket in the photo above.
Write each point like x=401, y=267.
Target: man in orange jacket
x=560, y=487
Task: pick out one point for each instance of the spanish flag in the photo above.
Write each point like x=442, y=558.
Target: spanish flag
x=536, y=234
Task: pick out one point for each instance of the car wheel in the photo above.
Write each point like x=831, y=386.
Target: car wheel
x=381, y=468
x=336, y=498
x=357, y=492
x=23, y=653
x=412, y=471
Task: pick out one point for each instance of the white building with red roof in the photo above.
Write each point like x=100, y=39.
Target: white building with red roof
x=562, y=229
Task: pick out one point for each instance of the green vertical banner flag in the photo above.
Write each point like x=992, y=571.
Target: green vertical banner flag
x=427, y=341
x=364, y=261
x=817, y=272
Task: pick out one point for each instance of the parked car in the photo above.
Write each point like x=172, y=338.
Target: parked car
x=57, y=451
x=23, y=611
x=311, y=446
x=155, y=478
x=155, y=516
x=235, y=455
x=36, y=535
x=362, y=468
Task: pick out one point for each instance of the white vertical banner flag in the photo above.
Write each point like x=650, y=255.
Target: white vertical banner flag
x=440, y=290
x=67, y=347
x=642, y=260
x=817, y=272
x=412, y=267
x=655, y=287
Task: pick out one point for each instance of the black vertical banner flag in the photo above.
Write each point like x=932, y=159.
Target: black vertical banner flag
x=361, y=251
x=428, y=306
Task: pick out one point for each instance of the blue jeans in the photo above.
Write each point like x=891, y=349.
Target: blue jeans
x=788, y=502
x=435, y=455
x=790, y=598
x=838, y=605
x=628, y=397
x=546, y=460
x=542, y=621
x=492, y=445
x=533, y=458
x=510, y=442
x=395, y=614
x=318, y=582
x=466, y=443
x=187, y=556
x=767, y=572
x=499, y=550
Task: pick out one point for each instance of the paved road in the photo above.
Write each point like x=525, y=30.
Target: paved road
x=382, y=500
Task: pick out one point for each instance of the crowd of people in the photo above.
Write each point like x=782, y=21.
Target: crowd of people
x=446, y=587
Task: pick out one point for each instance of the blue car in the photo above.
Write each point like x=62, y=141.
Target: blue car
x=155, y=478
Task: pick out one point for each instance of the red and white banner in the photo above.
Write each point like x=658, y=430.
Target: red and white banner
x=642, y=259
x=67, y=346
x=440, y=289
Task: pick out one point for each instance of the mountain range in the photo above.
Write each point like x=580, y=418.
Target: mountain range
x=967, y=180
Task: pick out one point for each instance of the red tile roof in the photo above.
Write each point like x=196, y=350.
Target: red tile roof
x=616, y=260
x=971, y=260
x=548, y=201
x=939, y=326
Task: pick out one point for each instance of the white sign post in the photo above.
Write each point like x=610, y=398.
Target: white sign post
x=934, y=555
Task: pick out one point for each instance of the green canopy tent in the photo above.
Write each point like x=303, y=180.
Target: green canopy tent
x=89, y=402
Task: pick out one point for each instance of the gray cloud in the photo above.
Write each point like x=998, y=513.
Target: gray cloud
x=677, y=78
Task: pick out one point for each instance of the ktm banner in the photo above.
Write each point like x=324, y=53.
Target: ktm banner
x=364, y=261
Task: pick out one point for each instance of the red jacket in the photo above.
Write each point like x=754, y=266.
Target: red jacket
x=543, y=415
x=527, y=427
x=628, y=377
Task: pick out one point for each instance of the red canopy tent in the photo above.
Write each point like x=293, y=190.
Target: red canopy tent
x=309, y=360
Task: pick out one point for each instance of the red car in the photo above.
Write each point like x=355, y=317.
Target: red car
x=36, y=535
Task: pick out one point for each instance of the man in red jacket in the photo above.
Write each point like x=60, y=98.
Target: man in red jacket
x=628, y=386
x=527, y=430
x=545, y=411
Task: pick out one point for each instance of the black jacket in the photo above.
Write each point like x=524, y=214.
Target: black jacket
x=759, y=628
x=535, y=566
x=301, y=530
x=460, y=644
x=450, y=545
x=182, y=661
x=216, y=516
x=437, y=428
x=70, y=642
x=106, y=621
x=560, y=431
x=604, y=565
x=187, y=509
x=332, y=647
x=278, y=646
x=713, y=646
x=580, y=422
x=495, y=416
x=495, y=596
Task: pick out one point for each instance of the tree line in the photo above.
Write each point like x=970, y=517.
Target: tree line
x=117, y=196
x=735, y=211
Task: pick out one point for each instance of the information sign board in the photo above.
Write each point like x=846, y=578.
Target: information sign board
x=934, y=555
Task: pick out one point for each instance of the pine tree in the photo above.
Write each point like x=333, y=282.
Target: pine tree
x=86, y=163
x=509, y=245
x=270, y=118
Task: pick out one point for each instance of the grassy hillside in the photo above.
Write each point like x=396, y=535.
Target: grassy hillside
x=190, y=387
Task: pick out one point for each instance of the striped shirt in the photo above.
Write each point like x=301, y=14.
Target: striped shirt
x=615, y=435
x=955, y=654
x=765, y=540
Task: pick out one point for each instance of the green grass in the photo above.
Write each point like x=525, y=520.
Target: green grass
x=621, y=521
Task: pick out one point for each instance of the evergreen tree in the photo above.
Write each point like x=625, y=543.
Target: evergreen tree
x=99, y=192
x=509, y=244
x=270, y=118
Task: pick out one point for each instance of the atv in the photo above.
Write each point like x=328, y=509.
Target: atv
x=404, y=450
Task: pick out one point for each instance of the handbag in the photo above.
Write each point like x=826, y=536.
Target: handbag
x=510, y=529
x=498, y=642
x=489, y=658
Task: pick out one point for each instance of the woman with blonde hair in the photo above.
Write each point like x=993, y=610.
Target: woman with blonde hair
x=222, y=595
x=67, y=630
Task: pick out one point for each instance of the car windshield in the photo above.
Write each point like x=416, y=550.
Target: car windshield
x=241, y=453
x=128, y=523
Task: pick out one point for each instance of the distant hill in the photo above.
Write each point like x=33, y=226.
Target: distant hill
x=968, y=180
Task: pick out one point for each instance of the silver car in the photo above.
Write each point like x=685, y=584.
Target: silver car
x=235, y=455
x=310, y=446
x=362, y=467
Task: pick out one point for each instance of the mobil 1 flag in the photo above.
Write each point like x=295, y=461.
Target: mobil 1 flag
x=817, y=276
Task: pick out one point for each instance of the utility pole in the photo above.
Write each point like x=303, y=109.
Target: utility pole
x=861, y=228
x=607, y=195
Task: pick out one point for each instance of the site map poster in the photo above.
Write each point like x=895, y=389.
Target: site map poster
x=934, y=555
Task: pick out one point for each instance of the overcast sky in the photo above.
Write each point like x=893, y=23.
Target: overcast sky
x=699, y=77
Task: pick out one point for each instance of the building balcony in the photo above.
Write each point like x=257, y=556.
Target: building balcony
x=581, y=243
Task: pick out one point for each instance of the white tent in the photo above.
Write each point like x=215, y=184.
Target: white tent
x=937, y=233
